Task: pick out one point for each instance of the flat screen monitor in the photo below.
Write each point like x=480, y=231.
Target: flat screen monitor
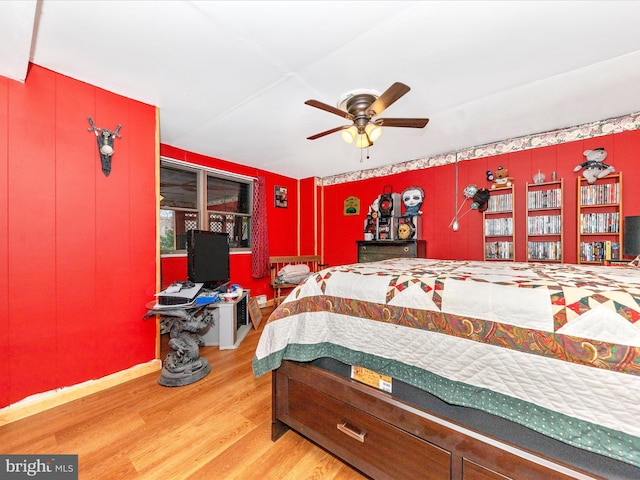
x=631, y=236
x=208, y=258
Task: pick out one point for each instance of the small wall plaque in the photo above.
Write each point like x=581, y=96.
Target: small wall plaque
x=351, y=206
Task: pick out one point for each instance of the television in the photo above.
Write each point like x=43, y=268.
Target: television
x=208, y=259
x=631, y=236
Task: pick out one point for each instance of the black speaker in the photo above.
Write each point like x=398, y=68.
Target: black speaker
x=632, y=236
x=385, y=206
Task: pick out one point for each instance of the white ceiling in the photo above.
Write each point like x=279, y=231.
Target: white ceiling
x=231, y=77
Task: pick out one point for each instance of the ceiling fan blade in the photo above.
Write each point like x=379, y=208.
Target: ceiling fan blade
x=393, y=93
x=402, y=122
x=322, y=134
x=329, y=108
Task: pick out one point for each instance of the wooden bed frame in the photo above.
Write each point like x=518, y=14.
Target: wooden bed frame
x=386, y=438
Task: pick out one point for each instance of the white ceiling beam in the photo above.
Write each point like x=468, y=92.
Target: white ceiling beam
x=17, y=20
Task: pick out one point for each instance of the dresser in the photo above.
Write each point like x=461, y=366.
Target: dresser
x=373, y=251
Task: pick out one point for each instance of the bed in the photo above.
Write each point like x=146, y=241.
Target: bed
x=425, y=368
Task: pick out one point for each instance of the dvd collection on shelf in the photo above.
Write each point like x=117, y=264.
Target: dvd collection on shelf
x=599, y=251
x=600, y=194
x=500, y=203
x=498, y=227
x=550, y=251
x=498, y=250
x=539, y=199
x=544, y=225
x=607, y=222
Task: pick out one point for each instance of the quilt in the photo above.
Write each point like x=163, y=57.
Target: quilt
x=555, y=347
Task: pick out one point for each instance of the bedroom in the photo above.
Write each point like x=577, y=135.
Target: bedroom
x=79, y=325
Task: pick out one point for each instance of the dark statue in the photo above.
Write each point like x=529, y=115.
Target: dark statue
x=183, y=365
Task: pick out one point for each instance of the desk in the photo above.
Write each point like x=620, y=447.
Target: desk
x=223, y=323
x=183, y=364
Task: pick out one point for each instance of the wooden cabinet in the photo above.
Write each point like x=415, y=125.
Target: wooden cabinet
x=372, y=251
x=600, y=219
x=544, y=221
x=499, y=226
x=386, y=438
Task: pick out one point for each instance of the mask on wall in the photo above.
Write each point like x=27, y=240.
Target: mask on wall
x=412, y=198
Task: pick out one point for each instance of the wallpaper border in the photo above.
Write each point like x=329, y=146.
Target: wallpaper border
x=588, y=130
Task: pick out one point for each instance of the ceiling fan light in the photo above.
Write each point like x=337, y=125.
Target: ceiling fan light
x=349, y=134
x=362, y=141
x=374, y=132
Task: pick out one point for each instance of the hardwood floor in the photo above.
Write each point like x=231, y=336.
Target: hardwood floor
x=216, y=428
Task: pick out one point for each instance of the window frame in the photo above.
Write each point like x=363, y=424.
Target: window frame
x=202, y=173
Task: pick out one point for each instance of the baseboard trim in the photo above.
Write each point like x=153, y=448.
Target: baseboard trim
x=44, y=401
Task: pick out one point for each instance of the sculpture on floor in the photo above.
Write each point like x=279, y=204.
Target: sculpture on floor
x=183, y=364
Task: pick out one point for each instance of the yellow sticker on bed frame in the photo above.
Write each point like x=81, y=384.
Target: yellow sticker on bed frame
x=371, y=378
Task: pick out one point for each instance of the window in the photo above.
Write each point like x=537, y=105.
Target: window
x=199, y=198
x=229, y=209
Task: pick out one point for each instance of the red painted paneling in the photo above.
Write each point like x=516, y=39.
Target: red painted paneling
x=568, y=156
x=544, y=160
x=4, y=240
x=141, y=124
x=309, y=234
x=282, y=222
x=75, y=302
x=342, y=231
x=32, y=235
x=519, y=164
x=439, y=209
x=626, y=148
x=75, y=218
x=113, y=259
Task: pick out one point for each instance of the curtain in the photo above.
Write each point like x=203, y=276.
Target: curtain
x=259, y=236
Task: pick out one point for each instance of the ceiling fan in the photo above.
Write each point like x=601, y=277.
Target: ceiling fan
x=360, y=107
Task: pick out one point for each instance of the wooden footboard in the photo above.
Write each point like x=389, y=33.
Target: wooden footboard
x=386, y=438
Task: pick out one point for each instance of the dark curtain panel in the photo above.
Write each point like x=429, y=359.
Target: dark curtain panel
x=259, y=236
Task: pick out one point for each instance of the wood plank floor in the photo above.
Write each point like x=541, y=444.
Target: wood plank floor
x=216, y=428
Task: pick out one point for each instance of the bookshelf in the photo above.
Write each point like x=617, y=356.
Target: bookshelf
x=544, y=221
x=499, y=226
x=600, y=219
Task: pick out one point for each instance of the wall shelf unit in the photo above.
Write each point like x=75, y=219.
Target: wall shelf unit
x=499, y=226
x=544, y=221
x=600, y=219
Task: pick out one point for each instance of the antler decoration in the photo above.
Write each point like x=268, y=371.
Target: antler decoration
x=105, y=144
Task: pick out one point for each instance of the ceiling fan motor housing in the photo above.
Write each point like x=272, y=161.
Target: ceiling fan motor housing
x=357, y=106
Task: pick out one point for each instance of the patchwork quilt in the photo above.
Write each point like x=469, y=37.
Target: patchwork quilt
x=555, y=347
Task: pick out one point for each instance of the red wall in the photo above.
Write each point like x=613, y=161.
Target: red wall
x=341, y=232
x=78, y=248
x=282, y=223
